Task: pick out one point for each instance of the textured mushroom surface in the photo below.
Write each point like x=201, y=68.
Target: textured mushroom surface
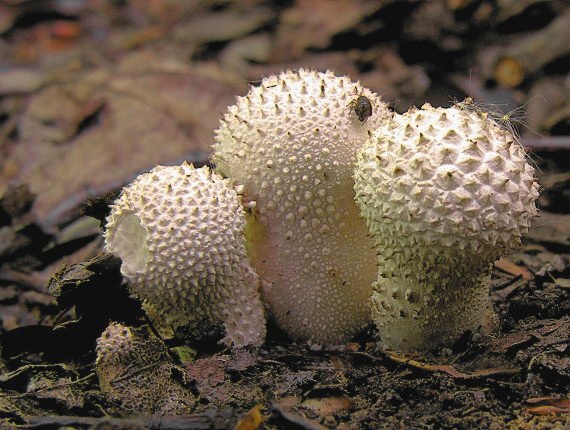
x=180, y=234
x=445, y=193
x=135, y=370
x=292, y=143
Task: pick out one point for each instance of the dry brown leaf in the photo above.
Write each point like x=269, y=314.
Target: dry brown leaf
x=42, y=123
x=7, y=18
x=152, y=117
x=450, y=370
x=324, y=61
x=507, y=343
x=252, y=421
x=229, y=24
x=313, y=23
x=328, y=405
x=562, y=282
x=207, y=372
x=296, y=420
x=19, y=80
x=508, y=266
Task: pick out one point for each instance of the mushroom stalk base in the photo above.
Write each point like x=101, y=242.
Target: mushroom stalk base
x=432, y=301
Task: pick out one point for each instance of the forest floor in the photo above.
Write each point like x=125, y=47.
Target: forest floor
x=123, y=76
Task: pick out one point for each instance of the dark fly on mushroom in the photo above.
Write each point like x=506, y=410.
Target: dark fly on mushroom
x=361, y=106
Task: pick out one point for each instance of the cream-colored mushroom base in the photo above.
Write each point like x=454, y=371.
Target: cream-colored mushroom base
x=292, y=143
x=135, y=370
x=445, y=192
x=180, y=234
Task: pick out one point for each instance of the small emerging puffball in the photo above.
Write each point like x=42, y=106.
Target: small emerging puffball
x=135, y=370
x=291, y=143
x=445, y=192
x=180, y=234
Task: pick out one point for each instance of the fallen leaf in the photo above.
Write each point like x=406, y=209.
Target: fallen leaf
x=252, y=421
x=296, y=420
x=157, y=116
x=229, y=24
x=547, y=400
x=207, y=372
x=510, y=342
x=242, y=359
x=314, y=23
x=555, y=333
x=185, y=354
x=503, y=293
x=239, y=53
x=69, y=391
x=328, y=405
x=550, y=227
x=7, y=18
x=562, y=282
x=132, y=38
x=20, y=80
x=43, y=123
x=547, y=410
x=511, y=268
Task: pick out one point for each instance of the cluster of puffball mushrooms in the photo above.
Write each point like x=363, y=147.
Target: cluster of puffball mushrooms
x=326, y=210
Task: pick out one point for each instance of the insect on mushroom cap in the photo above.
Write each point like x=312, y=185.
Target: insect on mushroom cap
x=362, y=107
x=180, y=234
x=291, y=143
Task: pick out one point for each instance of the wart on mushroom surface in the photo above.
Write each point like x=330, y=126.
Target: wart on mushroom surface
x=445, y=192
x=180, y=234
x=292, y=143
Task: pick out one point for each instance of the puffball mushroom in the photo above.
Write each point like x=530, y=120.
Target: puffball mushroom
x=291, y=143
x=135, y=370
x=445, y=192
x=180, y=234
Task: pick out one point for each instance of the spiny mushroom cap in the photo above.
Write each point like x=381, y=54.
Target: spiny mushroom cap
x=444, y=192
x=180, y=234
x=446, y=177
x=135, y=369
x=292, y=142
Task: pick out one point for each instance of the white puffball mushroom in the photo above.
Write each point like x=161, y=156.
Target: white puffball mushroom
x=291, y=143
x=445, y=192
x=180, y=234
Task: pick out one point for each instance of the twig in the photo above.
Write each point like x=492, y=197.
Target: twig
x=450, y=370
x=550, y=142
x=195, y=422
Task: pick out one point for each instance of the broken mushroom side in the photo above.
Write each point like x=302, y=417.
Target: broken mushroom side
x=179, y=232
